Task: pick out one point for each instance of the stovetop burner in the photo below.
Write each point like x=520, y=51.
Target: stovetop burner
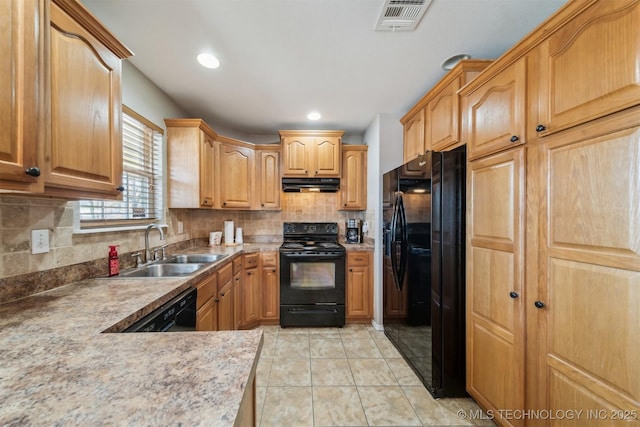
x=306, y=236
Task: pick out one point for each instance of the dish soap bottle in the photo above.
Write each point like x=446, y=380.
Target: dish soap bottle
x=114, y=262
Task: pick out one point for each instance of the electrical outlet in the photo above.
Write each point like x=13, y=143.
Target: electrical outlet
x=180, y=227
x=39, y=241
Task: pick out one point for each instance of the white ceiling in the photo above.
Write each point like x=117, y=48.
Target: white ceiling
x=281, y=59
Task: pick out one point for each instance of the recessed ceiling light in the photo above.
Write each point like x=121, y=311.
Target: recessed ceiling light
x=451, y=62
x=208, y=60
x=314, y=115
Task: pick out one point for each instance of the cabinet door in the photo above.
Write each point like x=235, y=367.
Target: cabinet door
x=443, y=118
x=236, y=182
x=495, y=271
x=295, y=155
x=250, y=298
x=590, y=269
x=21, y=105
x=85, y=152
x=270, y=287
x=359, y=292
x=269, y=175
x=207, y=316
x=225, y=307
x=589, y=67
x=207, y=156
x=413, y=145
x=494, y=113
x=353, y=187
x=326, y=157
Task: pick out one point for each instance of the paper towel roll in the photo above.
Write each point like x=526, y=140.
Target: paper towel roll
x=238, y=235
x=228, y=232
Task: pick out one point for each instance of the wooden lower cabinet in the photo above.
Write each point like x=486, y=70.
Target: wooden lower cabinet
x=359, y=302
x=250, y=292
x=225, y=298
x=207, y=304
x=495, y=269
x=270, y=288
x=238, y=280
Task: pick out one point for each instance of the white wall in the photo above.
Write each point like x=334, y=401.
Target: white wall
x=384, y=138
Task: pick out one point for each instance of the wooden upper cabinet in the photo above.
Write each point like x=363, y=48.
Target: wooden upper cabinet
x=190, y=163
x=236, y=175
x=311, y=153
x=326, y=161
x=21, y=97
x=268, y=174
x=443, y=116
x=433, y=124
x=600, y=42
x=494, y=111
x=353, y=186
x=413, y=140
x=84, y=155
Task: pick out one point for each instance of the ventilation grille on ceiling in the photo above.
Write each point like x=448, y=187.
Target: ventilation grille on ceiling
x=401, y=15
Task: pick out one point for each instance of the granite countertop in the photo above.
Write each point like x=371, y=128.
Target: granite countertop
x=58, y=368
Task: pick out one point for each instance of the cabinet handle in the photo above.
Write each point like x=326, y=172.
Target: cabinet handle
x=351, y=269
x=513, y=295
x=120, y=188
x=205, y=202
x=262, y=204
x=221, y=295
x=539, y=304
x=345, y=205
x=358, y=259
x=216, y=300
x=224, y=203
x=514, y=138
x=540, y=128
x=34, y=171
x=273, y=271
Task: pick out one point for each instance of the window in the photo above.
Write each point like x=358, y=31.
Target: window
x=141, y=177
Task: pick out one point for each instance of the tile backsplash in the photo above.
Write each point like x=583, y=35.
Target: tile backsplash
x=19, y=215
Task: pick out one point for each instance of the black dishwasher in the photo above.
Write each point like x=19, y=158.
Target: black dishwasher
x=177, y=315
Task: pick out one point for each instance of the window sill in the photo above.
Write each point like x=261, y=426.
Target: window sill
x=113, y=229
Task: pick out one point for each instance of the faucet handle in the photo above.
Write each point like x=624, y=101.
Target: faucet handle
x=164, y=252
x=138, y=257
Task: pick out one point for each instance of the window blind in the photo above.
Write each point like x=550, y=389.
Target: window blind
x=142, y=178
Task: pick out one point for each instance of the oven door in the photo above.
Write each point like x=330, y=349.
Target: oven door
x=315, y=278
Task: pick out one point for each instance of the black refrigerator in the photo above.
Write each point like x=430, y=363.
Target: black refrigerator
x=424, y=265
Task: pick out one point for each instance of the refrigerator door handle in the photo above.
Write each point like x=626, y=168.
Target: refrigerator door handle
x=404, y=243
x=394, y=244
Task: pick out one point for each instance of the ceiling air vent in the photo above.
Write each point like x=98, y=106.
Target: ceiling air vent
x=401, y=15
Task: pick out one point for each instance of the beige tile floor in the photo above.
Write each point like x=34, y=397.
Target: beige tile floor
x=352, y=376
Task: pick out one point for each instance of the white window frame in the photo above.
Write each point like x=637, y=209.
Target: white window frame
x=153, y=141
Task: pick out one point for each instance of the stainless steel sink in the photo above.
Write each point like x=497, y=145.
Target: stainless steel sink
x=164, y=270
x=193, y=258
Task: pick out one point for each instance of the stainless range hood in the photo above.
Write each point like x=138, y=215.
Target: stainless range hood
x=321, y=185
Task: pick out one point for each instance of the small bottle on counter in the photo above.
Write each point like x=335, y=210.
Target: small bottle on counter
x=114, y=261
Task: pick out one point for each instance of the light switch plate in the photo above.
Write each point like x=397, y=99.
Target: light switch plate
x=39, y=241
x=180, y=227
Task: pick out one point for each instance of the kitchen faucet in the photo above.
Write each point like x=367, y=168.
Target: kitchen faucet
x=147, y=250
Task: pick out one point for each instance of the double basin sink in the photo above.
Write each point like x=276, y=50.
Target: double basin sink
x=175, y=266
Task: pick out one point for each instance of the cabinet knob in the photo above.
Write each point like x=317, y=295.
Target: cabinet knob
x=514, y=138
x=205, y=202
x=262, y=204
x=306, y=172
x=216, y=300
x=539, y=304
x=221, y=295
x=540, y=128
x=34, y=171
x=513, y=295
x=345, y=205
x=120, y=188
x=273, y=271
x=224, y=203
x=351, y=269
